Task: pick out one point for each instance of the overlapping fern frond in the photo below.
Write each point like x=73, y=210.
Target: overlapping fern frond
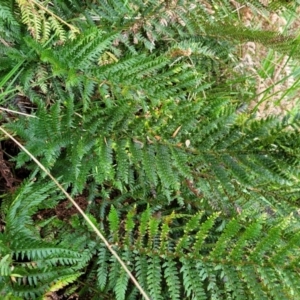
x=172, y=249
x=33, y=263
x=139, y=114
x=173, y=255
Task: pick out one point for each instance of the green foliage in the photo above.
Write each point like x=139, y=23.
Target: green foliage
x=192, y=254
x=30, y=264
x=136, y=111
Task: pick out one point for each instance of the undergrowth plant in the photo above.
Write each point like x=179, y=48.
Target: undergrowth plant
x=137, y=113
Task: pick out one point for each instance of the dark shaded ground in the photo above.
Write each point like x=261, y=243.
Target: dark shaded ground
x=10, y=178
x=64, y=210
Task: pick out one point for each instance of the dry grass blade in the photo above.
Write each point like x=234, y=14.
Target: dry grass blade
x=17, y=112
